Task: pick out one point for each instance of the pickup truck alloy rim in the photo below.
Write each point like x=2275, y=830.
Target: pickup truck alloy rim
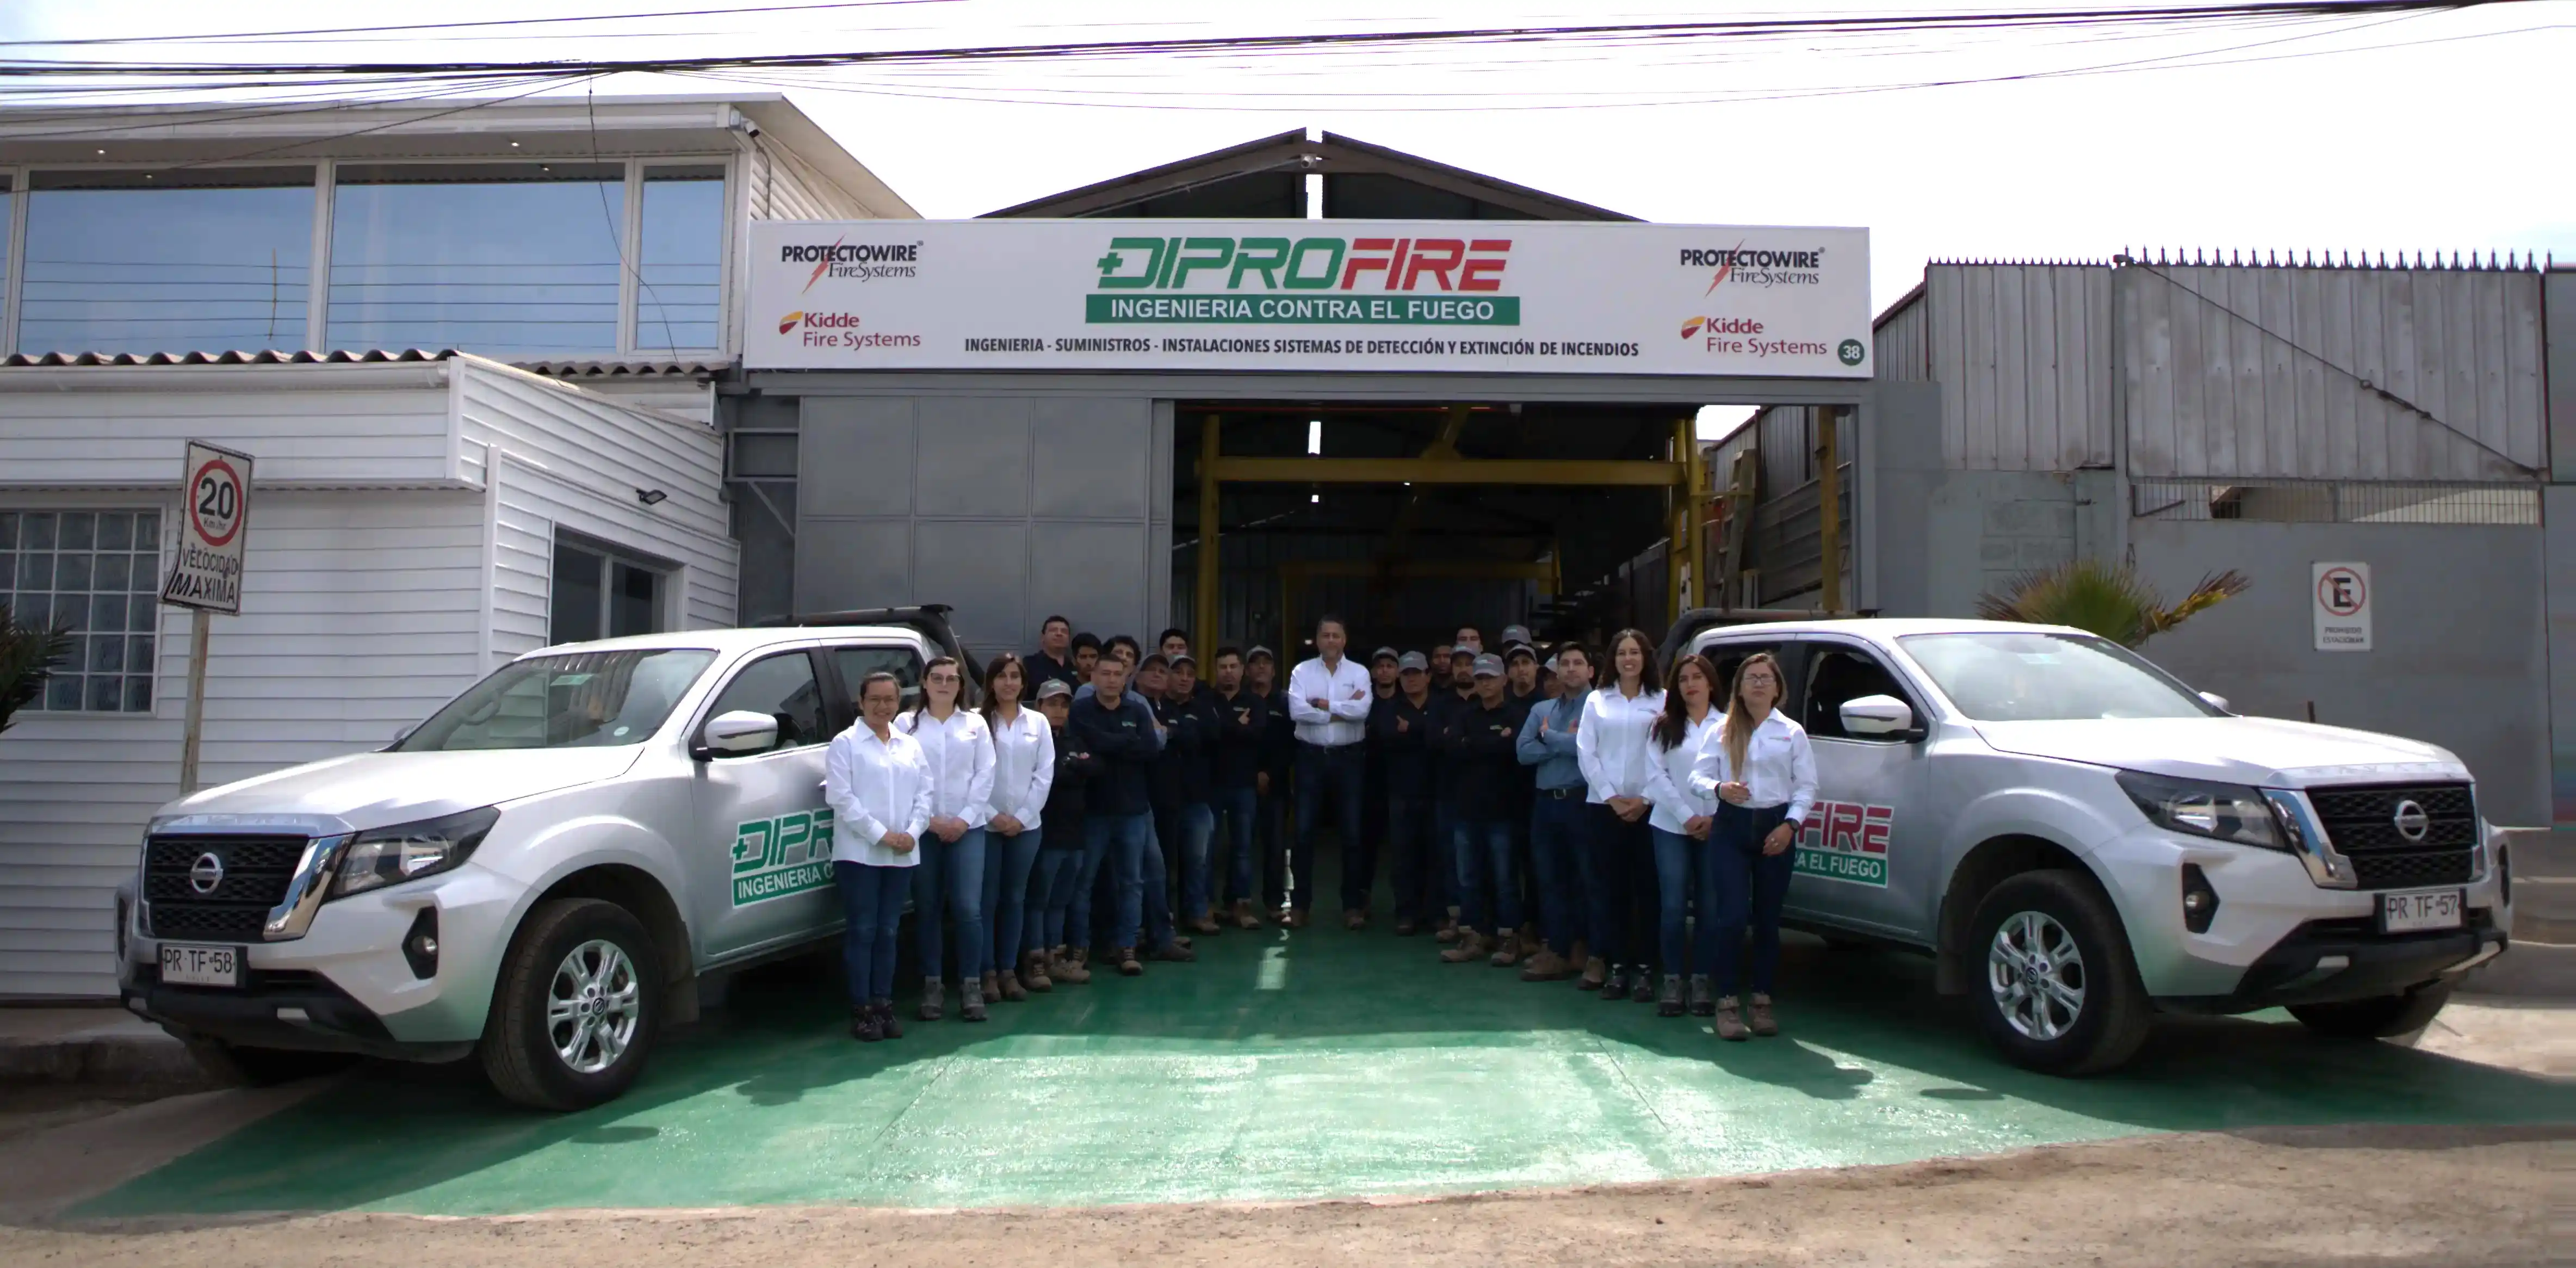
x=2037, y=975
x=591, y=1007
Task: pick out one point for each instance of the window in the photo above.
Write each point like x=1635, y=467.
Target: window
x=597, y=594
x=784, y=687
x=1839, y=674
x=194, y=259
x=680, y=271
x=1729, y=657
x=98, y=574
x=2049, y=678
x=505, y=259
x=577, y=700
x=856, y=663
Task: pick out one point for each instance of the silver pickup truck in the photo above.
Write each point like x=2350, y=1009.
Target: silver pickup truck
x=2082, y=841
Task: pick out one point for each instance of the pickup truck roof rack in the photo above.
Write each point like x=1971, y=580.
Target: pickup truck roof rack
x=930, y=619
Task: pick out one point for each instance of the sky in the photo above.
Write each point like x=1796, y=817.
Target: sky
x=2446, y=136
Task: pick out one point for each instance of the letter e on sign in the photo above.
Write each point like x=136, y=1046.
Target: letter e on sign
x=214, y=525
x=2341, y=606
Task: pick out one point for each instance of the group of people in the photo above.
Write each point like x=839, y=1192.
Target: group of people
x=1578, y=816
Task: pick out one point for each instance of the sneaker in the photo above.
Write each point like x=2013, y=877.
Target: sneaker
x=1128, y=964
x=1174, y=952
x=1614, y=985
x=1703, y=997
x=1641, y=986
x=1764, y=1024
x=1072, y=968
x=886, y=1024
x=1471, y=945
x=973, y=1007
x=1012, y=991
x=1546, y=966
x=1033, y=972
x=1245, y=916
x=934, y=998
x=1507, y=952
x=1594, y=973
x=863, y=1024
x=1669, y=1003
x=1730, y=1024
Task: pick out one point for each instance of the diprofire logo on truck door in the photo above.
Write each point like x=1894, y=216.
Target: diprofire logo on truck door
x=773, y=858
x=1846, y=841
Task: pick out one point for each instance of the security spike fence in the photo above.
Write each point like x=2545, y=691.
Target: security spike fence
x=2458, y=262
x=2334, y=502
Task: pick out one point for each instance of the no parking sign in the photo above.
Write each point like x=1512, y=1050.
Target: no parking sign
x=2342, y=606
x=214, y=523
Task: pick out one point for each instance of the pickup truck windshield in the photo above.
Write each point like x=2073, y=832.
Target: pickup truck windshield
x=577, y=700
x=2035, y=677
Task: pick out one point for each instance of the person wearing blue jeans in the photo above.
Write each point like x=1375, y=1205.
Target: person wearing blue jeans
x=1117, y=727
x=878, y=786
x=1060, y=850
x=1234, y=798
x=1481, y=741
x=1680, y=820
x=959, y=748
x=1400, y=727
x=1759, y=768
x=1189, y=755
x=1329, y=698
x=1023, y=774
x=1560, y=826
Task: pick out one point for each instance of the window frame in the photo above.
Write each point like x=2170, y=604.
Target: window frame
x=731, y=229
x=609, y=556
x=824, y=677
x=157, y=632
x=845, y=694
x=1909, y=691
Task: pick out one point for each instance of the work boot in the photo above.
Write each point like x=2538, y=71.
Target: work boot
x=1407, y=927
x=934, y=998
x=1448, y=930
x=1594, y=971
x=1578, y=951
x=1245, y=915
x=1703, y=996
x=1205, y=924
x=1033, y=972
x=1175, y=952
x=886, y=1024
x=973, y=1007
x=1763, y=1023
x=1012, y=991
x=1355, y=920
x=1669, y=1004
x=1730, y=1024
x=863, y=1024
x=1471, y=945
x=992, y=985
x=1615, y=984
x=1641, y=985
x=1546, y=966
x=1531, y=943
x=1072, y=967
x=1507, y=952
x=1128, y=964
x=1295, y=919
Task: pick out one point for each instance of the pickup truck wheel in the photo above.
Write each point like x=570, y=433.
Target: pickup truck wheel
x=2056, y=987
x=263, y=1067
x=2382, y=1017
x=574, y=1010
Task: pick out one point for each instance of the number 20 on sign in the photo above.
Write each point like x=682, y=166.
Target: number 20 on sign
x=214, y=526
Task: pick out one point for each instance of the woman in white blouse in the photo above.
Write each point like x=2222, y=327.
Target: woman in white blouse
x=1763, y=774
x=959, y=749
x=1023, y=771
x=1611, y=745
x=1681, y=819
x=878, y=787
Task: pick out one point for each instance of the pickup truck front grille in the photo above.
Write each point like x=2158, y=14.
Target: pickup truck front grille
x=2362, y=822
x=255, y=874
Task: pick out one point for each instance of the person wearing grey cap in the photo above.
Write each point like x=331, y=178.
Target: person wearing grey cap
x=1482, y=740
x=1243, y=726
x=1278, y=762
x=1401, y=729
x=1517, y=634
x=1373, y=823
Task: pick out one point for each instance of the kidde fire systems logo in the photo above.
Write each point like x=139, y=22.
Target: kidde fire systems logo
x=1737, y=266
x=1305, y=264
x=859, y=261
x=840, y=330
x=1743, y=337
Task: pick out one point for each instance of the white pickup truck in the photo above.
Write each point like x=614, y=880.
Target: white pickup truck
x=537, y=876
x=2082, y=841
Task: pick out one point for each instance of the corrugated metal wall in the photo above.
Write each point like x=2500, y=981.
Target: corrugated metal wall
x=1784, y=546
x=2332, y=373
x=1904, y=338
x=2023, y=356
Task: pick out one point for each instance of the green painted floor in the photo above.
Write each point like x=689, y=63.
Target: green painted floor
x=1280, y=1066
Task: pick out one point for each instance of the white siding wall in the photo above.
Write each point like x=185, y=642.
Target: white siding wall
x=783, y=187
x=309, y=426
x=2023, y=356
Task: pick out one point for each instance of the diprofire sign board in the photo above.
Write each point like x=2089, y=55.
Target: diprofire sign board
x=2342, y=606
x=1331, y=295
x=214, y=526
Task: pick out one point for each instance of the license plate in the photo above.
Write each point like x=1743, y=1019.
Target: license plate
x=185, y=965
x=2418, y=910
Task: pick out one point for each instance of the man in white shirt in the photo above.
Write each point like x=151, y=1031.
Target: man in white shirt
x=1329, y=700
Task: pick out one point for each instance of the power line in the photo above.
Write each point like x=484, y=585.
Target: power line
x=237, y=36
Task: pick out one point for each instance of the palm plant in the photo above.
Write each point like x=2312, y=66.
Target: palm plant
x=28, y=655
x=2108, y=599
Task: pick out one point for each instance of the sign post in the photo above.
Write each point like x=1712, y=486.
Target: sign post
x=205, y=574
x=2342, y=606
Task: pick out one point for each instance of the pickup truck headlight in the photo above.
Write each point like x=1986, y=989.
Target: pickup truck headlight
x=2224, y=812
x=407, y=851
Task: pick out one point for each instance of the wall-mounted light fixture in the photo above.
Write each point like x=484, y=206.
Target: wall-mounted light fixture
x=650, y=497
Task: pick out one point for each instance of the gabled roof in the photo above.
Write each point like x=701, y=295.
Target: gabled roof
x=1266, y=178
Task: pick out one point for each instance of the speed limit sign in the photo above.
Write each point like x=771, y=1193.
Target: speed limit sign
x=214, y=523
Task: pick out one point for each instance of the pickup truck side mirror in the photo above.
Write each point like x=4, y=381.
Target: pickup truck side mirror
x=740, y=731
x=2216, y=701
x=1877, y=716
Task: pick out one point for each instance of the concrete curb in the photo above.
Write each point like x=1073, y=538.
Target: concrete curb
x=2528, y=970
x=112, y=1054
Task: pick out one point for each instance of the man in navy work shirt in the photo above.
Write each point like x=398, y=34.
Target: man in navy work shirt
x=1118, y=728
x=1400, y=727
x=1328, y=700
x=1481, y=739
x=1242, y=731
x=1054, y=659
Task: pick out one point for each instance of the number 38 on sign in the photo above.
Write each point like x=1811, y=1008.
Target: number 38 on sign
x=214, y=524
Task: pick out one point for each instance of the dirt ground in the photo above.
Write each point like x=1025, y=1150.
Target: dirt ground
x=2382, y=1196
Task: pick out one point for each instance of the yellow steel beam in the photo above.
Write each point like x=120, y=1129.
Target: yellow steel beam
x=1210, y=611
x=1497, y=471
x=1829, y=508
